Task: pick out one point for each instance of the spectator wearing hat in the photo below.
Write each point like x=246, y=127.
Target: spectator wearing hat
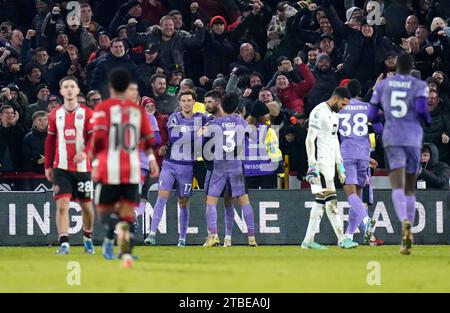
x=34, y=142
x=11, y=135
x=220, y=84
x=219, y=49
x=434, y=173
x=172, y=44
x=175, y=77
x=262, y=155
x=438, y=132
x=42, y=94
x=104, y=42
x=365, y=48
x=326, y=79
x=151, y=65
x=161, y=120
x=188, y=84
x=291, y=94
x=131, y=9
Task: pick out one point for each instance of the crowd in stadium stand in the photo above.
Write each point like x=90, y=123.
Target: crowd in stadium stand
x=290, y=55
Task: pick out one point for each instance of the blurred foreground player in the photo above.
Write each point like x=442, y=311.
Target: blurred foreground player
x=403, y=100
x=67, y=165
x=120, y=127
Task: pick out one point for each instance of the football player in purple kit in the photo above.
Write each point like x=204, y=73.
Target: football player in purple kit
x=225, y=148
x=403, y=100
x=177, y=166
x=355, y=151
x=213, y=104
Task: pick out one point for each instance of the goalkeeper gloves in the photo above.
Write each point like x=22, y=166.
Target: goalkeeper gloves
x=341, y=172
x=312, y=176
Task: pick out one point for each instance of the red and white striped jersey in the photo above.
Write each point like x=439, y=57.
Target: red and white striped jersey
x=72, y=131
x=121, y=128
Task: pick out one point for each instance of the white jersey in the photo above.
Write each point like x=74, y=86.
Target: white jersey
x=324, y=125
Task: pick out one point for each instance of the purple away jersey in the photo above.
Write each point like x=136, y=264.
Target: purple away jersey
x=183, y=142
x=353, y=130
x=228, y=133
x=396, y=96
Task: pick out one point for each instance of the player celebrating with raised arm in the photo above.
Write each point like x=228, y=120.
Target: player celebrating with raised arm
x=178, y=164
x=323, y=128
x=403, y=100
x=226, y=152
x=355, y=150
x=67, y=165
x=120, y=127
x=213, y=103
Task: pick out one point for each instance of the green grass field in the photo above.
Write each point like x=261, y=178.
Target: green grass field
x=235, y=269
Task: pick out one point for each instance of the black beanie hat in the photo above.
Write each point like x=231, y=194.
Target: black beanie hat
x=259, y=109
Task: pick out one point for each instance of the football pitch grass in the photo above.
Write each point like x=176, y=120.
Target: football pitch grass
x=234, y=269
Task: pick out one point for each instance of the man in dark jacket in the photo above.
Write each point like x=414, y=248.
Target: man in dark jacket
x=365, y=49
x=436, y=174
x=326, y=80
x=11, y=135
x=114, y=59
x=218, y=49
x=41, y=105
x=131, y=9
x=34, y=142
x=439, y=129
x=165, y=104
x=173, y=44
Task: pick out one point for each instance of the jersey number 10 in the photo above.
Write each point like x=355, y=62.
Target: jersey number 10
x=124, y=136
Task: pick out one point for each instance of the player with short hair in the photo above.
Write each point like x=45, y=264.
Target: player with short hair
x=355, y=151
x=225, y=148
x=67, y=165
x=403, y=100
x=322, y=161
x=177, y=167
x=213, y=104
x=120, y=128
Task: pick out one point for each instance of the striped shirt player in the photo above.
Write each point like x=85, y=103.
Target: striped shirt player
x=119, y=127
x=68, y=134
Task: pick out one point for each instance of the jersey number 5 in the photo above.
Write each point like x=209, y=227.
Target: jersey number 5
x=398, y=102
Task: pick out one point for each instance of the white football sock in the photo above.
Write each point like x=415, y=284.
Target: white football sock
x=334, y=217
x=314, y=221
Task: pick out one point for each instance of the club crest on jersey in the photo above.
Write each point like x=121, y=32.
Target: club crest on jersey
x=174, y=121
x=80, y=116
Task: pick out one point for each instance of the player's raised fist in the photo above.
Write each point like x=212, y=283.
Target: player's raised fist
x=132, y=21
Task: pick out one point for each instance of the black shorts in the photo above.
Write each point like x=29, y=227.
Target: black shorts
x=107, y=196
x=75, y=185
